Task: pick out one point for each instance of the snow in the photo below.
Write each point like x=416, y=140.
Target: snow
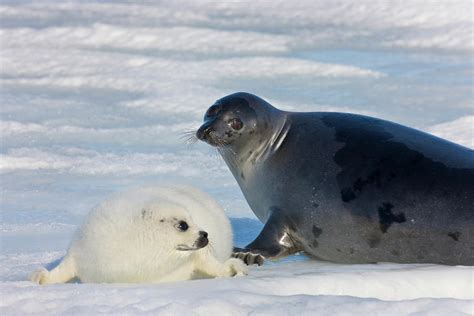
x=295, y=285
x=460, y=130
x=299, y=287
x=96, y=96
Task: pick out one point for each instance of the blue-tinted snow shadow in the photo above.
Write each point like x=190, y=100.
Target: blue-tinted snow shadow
x=247, y=229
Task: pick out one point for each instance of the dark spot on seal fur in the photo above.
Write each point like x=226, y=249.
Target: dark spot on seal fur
x=242, y=175
x=351, y=250
x=162, y=220
x=315, y=244
x=316, y=231
x=374, y=167
x=374, y=177
x=373, y=241
x=395, y=252
x=143, y=213
x=454, y=235
x=315, y=205
x=387, y=217
x=347, y=195
x=338, y=250
x=228, y=134
x=358, y=184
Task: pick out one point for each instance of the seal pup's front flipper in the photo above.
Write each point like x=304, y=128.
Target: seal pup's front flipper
x=273, y=242
x=206, y=264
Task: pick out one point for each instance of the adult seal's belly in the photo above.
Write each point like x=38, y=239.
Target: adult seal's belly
x=345, y=187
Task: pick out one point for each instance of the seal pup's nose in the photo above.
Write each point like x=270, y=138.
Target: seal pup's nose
x=202, y=241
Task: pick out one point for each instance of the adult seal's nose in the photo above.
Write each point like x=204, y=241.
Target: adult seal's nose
x=203, y=131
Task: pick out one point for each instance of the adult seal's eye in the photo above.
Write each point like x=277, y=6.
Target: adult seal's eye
x=182, y=226
x=236, y=124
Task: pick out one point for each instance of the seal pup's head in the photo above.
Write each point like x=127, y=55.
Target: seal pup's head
x=230, y=121
x=173, y=226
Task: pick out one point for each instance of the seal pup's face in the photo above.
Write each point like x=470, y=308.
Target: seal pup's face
x=176, y=228
x=228, y=122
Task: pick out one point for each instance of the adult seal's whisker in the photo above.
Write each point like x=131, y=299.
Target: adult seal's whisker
x=187, y=134
x=189, y=137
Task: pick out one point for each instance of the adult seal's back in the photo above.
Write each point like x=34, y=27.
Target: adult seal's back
x=344, y=187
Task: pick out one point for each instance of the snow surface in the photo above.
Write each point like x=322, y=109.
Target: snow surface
x=306, y=288
x=95, y=96
x=295, y=285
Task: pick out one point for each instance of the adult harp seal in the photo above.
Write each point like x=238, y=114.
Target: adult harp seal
x=343, y=187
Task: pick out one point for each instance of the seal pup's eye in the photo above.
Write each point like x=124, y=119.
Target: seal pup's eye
x=182, y=226
x=236, y=124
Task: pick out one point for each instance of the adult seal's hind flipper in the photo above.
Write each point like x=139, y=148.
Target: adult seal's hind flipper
x=274, y=241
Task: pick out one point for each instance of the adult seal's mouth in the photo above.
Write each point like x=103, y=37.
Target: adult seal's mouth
x=206, y=134
x=203, y=131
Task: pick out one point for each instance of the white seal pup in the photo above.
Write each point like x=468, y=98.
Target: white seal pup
x=153, y=234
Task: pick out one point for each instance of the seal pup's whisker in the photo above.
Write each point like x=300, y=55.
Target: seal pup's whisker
x=210, y=246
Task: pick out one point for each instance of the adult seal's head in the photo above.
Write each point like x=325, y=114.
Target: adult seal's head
x=247, y=130
x=244, y=125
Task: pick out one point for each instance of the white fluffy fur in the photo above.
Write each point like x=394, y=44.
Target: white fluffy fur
x=132, y=237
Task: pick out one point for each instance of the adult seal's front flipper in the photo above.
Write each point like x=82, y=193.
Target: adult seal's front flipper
x=273, y=242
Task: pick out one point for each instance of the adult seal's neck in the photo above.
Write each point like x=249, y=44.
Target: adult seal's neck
x=271, y=129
